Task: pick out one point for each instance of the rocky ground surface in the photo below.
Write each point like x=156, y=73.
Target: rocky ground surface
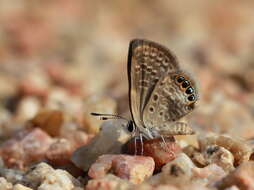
x=61, y=60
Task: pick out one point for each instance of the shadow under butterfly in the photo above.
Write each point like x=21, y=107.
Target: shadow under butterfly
x=160, y=93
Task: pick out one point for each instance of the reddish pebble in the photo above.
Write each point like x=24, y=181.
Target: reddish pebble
x=59, y=153
x=25, y=147
x=77, y=137
x=28, y=88
x=57, y=74
x=134, y=168
x=242, y=177
x=161, y=152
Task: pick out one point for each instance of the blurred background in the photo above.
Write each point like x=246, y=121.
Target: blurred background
x=72, y=56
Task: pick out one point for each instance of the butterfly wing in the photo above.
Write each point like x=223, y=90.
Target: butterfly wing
x=147, y=63
x=169, y=102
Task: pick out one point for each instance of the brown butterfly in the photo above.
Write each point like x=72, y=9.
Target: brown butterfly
x=160, y=93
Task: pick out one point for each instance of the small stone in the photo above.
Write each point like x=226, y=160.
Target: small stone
x=182, y=165
x=44, y=177
x=239, y=148
x=220, y=156
x=11, y=175
x=134, y=168
x=25, y=147
x=33, y=86
x=196, y=156
x=161, y=153
x=242, y=177
x=60, y=99
x=59, y=152
x=74, y=135
x=111, y=139
x=99, y=105
x=4, y=184
x=232, y=188
x=109, y=182
x=209, y=174
x=158, y=187
x=50, y=121
x=60, y=77
x=21, y=187
x=27, y=108
x=174, y=173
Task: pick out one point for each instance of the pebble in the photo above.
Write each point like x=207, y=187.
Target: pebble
x=25, y=147
x=161, y=153
x=27, y=108
x=239, y=148
x=4, y=184
x=133, y=168
x=59, y=152
x=208, y=175
x=44, y=177
x=21, y=187
x=220, y=156
x=242, y=177
x=49, y=121
x=111, y=139
x=74, y=135
x=60, y=99
x=109, y=182
x=181, y=166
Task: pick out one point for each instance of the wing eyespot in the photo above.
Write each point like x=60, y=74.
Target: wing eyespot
x=180, y=79
x=185, y=84
x=191, y=98
x=151, y=109
x=155, y=97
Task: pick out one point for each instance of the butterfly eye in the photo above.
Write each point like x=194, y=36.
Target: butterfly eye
x=180, y=79
x=191, y=97
x=130, y=127
x=185, y=84
x=189, y=90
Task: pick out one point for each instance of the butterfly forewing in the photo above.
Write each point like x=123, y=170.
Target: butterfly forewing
x=148, y=62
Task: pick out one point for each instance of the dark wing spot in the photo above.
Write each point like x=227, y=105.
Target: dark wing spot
x=185, y=84
x=180, y=79
x=189, y=90
x=191, y=97
x=155, y=97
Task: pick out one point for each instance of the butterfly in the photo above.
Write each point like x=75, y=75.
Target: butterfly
x=160, y=93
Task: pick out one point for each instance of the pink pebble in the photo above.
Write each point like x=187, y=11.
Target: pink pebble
x=25, y=147
x=134, y=168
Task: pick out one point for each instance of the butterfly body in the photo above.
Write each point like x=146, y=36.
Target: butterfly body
x=160, y=92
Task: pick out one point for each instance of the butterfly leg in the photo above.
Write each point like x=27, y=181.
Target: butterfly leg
x=135, y=145
x=164, y=142
x=167, y=148
x=142, y=145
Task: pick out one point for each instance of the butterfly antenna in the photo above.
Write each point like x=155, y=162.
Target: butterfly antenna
x=108, y=116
